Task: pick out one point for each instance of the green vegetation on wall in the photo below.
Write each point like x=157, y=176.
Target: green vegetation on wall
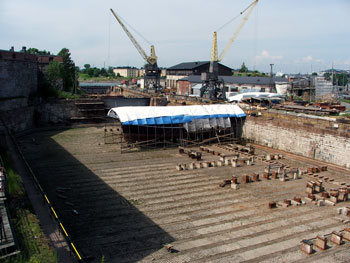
x=33, y=244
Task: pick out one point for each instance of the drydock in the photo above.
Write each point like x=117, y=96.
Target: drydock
x=225, y=205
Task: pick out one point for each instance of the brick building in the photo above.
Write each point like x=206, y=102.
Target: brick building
x=21, y=74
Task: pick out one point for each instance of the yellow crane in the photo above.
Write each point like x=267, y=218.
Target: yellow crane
x=210, y=79
x=152, y=72
x=235, y=34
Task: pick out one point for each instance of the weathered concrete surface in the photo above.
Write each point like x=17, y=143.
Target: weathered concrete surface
x=19, y=119
x=56, y=111
x=47, y=223
x=320, y=141
x=18, y=78
x=130, y=205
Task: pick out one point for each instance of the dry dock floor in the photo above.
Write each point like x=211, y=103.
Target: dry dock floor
x=126, y=207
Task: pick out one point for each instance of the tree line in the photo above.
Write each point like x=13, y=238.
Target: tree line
x=57, y=76
x=339, y=79
x=97, y=72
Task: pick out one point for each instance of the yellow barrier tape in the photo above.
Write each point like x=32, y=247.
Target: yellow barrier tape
x=75, y=250
x=54, y=213
x=64, y=230
x=47, y=199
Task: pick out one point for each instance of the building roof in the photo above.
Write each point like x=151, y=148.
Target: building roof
x=49, y=58
x=188, y=65
x=238, y=79
x=12, y=55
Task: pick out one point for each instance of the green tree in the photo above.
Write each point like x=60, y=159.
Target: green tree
x=341, y=79
x=34, y=51
x=68, y=70
x=96, y=72
x=243, y=68
x=85, y=69
x=54, y=75
x=110, y=72
x=103, y=72
x=90, y=72
x=327, y=76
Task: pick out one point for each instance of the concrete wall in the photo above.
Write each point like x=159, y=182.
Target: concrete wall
x=19, y=120
x=111, y=102
x=15, y=103
x=171, y=81
x=56, y=111
x=311, y=138
x=18, y=78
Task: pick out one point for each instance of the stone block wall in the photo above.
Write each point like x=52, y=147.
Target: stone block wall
x=322, y=140
x=56, y=111
x=14, y=103
x=18, y=75
x=19, y=120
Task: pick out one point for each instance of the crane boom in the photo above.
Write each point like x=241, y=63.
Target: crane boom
x=238, y=30
x=212, y=85
x=152, y=59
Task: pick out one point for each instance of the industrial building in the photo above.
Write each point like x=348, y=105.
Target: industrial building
x=127, y=72
x=185, y=69
x=190, y=85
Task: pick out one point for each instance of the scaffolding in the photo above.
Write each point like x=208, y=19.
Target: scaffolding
x=137, y=137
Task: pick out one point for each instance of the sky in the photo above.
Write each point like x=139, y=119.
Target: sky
x=297, y=36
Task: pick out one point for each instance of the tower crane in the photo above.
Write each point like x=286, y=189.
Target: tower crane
x=152, y=72
x=212, y=86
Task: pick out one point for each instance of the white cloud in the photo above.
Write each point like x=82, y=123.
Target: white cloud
x=265, y=55
x=307, y=58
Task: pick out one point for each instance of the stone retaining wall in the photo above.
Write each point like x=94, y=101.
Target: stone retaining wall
x=319, y=139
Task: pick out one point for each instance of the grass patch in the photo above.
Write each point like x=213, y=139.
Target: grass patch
x=86, y=77
x=346, y=115
x=135, y=202
x=32, y=242
x=345, y=100
x=13, y=179
x=68, y=95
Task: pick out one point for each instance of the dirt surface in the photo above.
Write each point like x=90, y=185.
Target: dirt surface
x=127, y=207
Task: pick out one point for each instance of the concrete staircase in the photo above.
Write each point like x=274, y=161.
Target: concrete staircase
x=90, y=111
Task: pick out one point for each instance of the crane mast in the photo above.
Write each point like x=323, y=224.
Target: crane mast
x=212, y=86
x=152, y=72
